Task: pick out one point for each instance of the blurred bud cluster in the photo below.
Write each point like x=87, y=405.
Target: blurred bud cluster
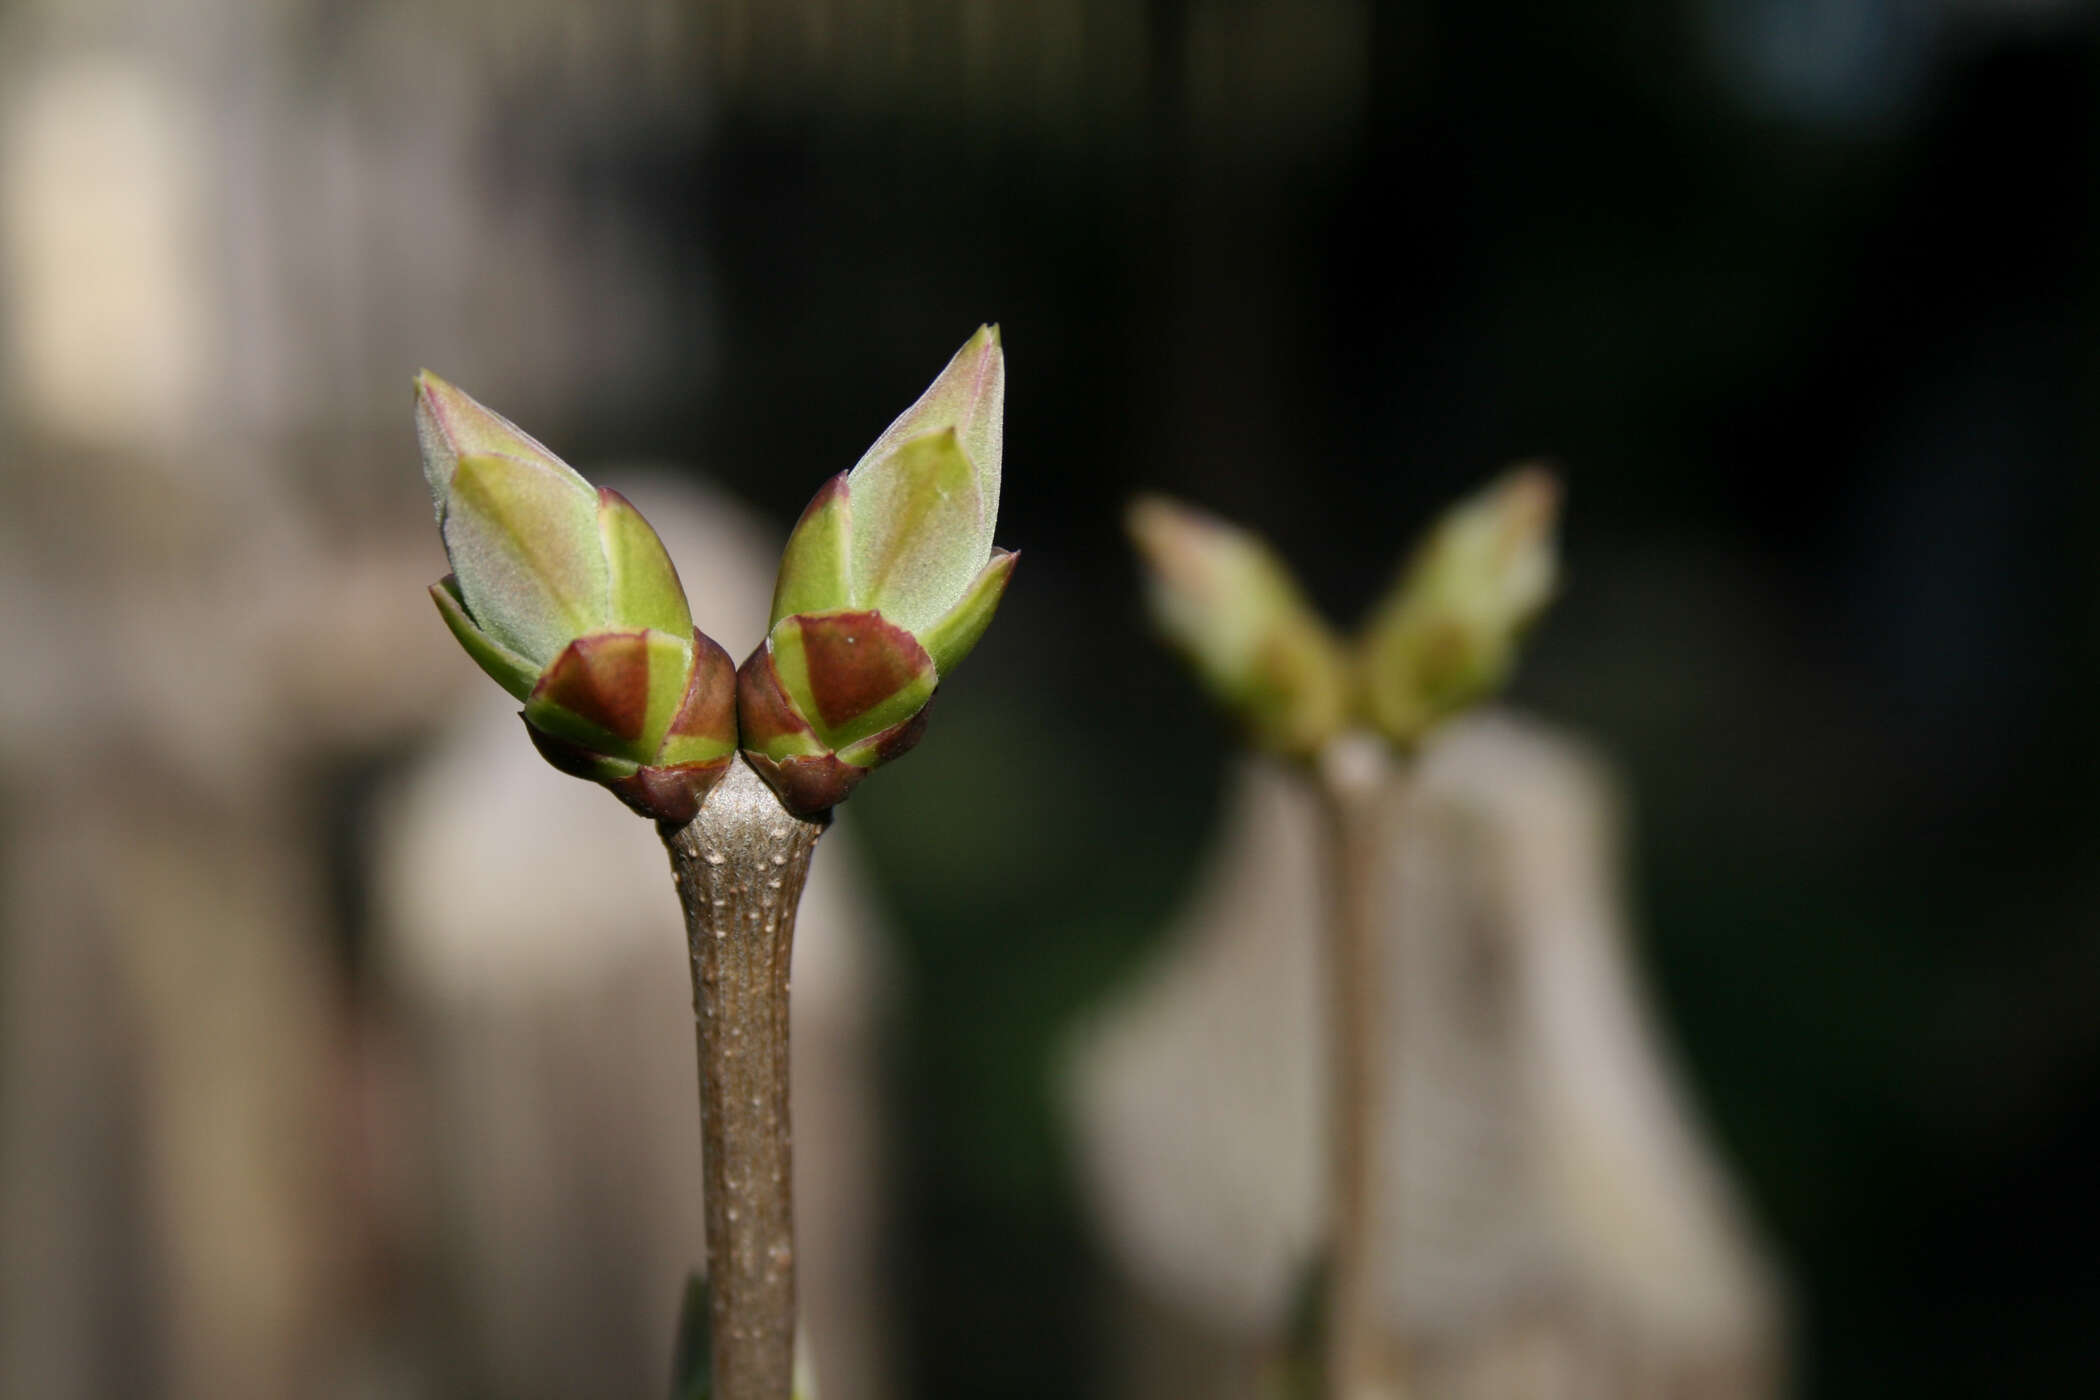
x=1444, y=636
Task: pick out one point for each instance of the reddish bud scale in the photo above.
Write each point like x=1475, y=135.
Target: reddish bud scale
x=708, y=711
x=856, y=662
x=769, y=720
x=815, y=751
x=603, y=681
x=810, y=786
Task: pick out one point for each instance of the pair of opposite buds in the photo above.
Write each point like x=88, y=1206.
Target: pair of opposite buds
x=563, y=594
x=1443, y=637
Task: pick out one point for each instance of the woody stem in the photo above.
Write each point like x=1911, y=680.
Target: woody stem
x=1352, y=776
x=740, y=866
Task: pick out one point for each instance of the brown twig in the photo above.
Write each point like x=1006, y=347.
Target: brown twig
x=740, y=867
x=1352, y=775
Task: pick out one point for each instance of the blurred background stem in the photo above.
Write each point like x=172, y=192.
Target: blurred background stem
x=1352, y=775
x=740, y=867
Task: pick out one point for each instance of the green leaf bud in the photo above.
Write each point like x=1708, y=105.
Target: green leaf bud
x=887, y=582
x=1447, y=633
x=1221, y=597
x=565, y=596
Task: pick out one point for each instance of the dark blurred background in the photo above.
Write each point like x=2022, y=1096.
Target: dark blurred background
x=1801, y=295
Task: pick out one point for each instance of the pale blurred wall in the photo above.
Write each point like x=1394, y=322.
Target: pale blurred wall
x=228, y=235
x=1553, y=1220
x=238, y=218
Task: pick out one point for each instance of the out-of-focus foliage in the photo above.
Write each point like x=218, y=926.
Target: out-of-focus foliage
x=1442, y=638
x=1445, y=635
x=1222, y=598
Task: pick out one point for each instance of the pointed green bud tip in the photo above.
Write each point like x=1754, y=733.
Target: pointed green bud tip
x=908, y=531
x=968, y=396
x=1220, y=597
x=1447, y=633
x=450, y=425
x=565, y=596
